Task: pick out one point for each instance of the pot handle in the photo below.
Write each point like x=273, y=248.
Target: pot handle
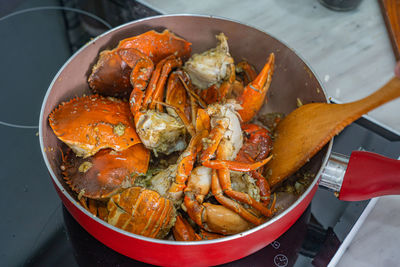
x=362, y=176
x=370, y=175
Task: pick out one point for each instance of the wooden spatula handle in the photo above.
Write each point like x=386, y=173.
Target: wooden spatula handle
x=370, y=175
x=386, y=93
x=391, y=13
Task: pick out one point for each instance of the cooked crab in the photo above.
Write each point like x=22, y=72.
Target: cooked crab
x=90, y=123
x=106, y=173
x=141, y=211
x=114, y=73
x=213, y=71
x=211, y=67
x=158, y=130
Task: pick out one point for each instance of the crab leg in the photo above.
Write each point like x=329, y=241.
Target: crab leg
x=205, y=235
x=220, y=145
x=158, y=79
x=183, y=231
x=265, y=191
x=192, y=93
x=213, y=218
x=151, y=87
x=193, y=97
x=186, y=161
x=140, y=76
x=194, y=107
x=256, y=147
x=249, y=72
x=218, y=193
x=97, y=208
x=215, y=137
x=202, y=121
x=234, y=165
x=176, y=94
x=171, y=63
x=188, y=157
x=254, y=93
x=225, y=87
x=225, y=182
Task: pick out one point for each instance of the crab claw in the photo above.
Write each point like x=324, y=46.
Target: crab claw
x=106, y=173
x=254, y=93
x=90, y=123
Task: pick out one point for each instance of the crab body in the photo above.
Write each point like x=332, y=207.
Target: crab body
x=105, y=173
x=90, y=123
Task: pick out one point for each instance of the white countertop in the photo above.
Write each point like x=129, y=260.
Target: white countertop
x=349, y=51
x=377, y=241
x=351, y=54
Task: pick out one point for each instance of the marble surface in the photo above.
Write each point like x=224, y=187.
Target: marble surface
x=377, y=241
x=349, y=51
x=351, y=54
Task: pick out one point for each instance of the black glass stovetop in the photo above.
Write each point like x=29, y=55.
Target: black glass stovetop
x=35, y=228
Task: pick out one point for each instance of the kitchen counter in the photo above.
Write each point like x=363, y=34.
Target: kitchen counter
x=351, y=54
x=349, y=51
x=377, y=241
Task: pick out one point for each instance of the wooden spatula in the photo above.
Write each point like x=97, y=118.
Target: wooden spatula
x=307, y=129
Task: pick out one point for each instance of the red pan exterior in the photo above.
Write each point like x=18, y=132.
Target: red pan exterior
x=196, y=254
x=292, y=79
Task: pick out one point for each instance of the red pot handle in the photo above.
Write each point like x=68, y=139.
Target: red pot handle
x=370, y=175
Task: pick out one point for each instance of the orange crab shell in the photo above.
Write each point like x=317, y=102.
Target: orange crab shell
x=90, y=123
x=158, y=45
x=141, y=211
x=107, y=172
x=111, y=74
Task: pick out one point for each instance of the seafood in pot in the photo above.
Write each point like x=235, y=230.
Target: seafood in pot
x=193, y=109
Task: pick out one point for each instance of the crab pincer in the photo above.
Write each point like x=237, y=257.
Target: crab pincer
x=254, y=93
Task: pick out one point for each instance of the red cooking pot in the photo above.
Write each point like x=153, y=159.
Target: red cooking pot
x=292, y=79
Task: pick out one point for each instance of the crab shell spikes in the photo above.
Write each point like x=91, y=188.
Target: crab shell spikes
x=90, y=123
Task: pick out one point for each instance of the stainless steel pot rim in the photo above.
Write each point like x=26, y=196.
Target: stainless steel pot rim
x=159, y=241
